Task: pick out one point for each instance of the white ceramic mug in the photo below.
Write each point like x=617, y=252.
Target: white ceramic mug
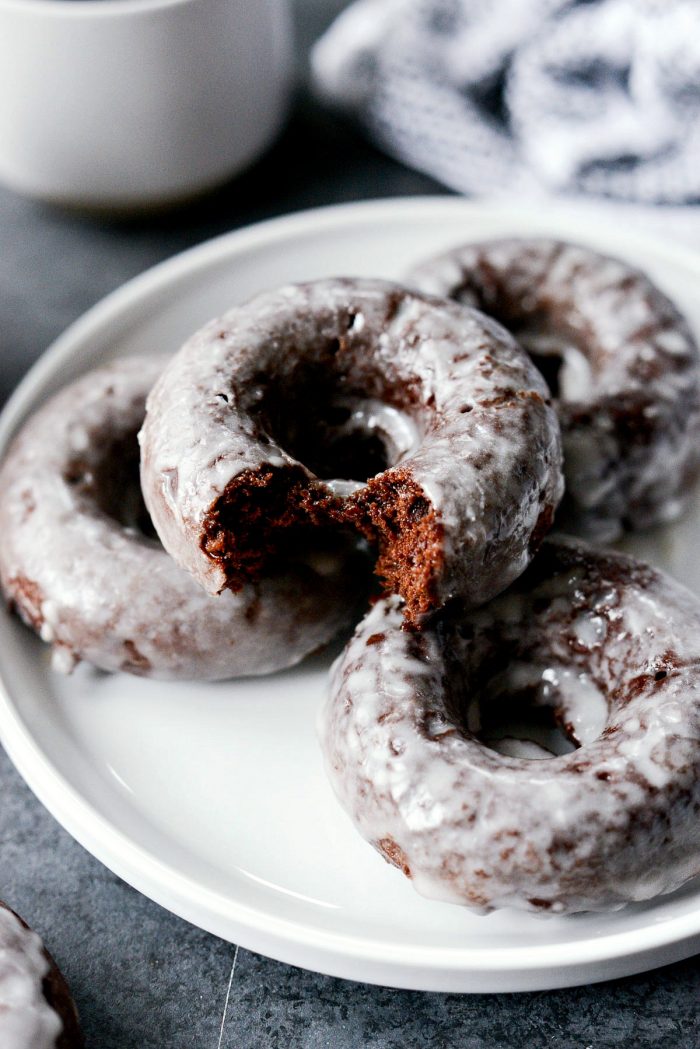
x=122, y=104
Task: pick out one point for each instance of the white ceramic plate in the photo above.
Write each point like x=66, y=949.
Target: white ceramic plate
x=211, y=799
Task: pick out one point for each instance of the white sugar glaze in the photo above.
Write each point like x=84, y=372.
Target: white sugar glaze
x=629, y=382
x=579, y=831
x=27, y=1021
x=582, y=706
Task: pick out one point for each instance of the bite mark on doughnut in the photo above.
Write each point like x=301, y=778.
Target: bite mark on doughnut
x=262, y=515
x=395, y=511
x=259, y=514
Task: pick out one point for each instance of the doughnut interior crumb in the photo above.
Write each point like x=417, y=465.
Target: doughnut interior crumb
x=261, y=515
x=395, y=512
x=268, y=514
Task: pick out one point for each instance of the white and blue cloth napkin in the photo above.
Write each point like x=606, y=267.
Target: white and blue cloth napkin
x=507, y=96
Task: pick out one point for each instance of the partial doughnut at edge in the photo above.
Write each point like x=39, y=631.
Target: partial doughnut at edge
x=36, y=1006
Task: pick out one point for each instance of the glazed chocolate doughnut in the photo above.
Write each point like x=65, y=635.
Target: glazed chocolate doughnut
x=620, y=360
x=36, y=1007
x=80, y=562
x=419, y=750
x=274, y=417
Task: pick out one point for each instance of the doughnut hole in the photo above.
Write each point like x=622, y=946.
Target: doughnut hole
x=339, y=436
x=108, y=481
x=547, y=360
x=352, y=442
x=555, y=337
x=528, y=675
x=535, y=711
x=332, y=408
x=568, y=371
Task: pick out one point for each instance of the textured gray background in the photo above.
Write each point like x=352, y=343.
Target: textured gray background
x=144, y=979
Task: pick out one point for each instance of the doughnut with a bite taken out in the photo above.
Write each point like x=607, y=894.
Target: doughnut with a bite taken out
x=354, y=402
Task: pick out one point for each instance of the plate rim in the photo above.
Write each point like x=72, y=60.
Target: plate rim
x=411, y=966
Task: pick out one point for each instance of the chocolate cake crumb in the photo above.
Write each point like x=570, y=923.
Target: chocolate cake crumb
x=393, y=854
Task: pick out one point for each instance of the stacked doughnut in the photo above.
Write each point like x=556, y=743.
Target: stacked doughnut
x=258, y=441
x=430, y=429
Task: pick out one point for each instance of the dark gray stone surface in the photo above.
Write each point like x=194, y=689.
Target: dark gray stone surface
x=144, y=979
x=285, y=1008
